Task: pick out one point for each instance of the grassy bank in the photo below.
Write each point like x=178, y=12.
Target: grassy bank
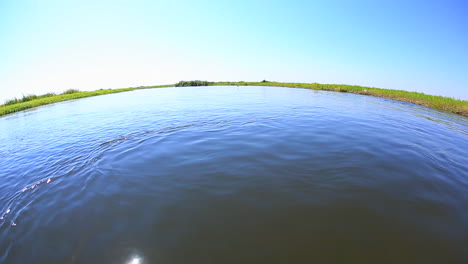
x=30, y=101
x=437, y=102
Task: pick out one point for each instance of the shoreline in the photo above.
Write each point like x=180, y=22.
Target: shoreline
x=17, y=107
x=441, y=103
x=445, y=104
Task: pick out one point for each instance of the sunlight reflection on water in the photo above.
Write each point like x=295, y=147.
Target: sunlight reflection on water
x=135, y=260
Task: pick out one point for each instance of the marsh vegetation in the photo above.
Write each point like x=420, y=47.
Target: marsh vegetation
x=442, y=103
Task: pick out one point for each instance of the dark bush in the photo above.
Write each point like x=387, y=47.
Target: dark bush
x=193, y=83
x=71, y=91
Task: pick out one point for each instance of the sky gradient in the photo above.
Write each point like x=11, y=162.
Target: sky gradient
x=51, y=46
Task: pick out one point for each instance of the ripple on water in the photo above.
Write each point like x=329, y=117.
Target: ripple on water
x=233, y=174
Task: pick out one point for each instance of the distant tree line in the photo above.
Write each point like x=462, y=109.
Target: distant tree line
x=193, y=83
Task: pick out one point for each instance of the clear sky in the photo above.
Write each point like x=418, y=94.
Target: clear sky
x=51, y=46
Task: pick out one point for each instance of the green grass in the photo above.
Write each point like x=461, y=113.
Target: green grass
x=71, y=91
x=442, y=103
x=30, y=101
x=27, y=98
x=437, y=102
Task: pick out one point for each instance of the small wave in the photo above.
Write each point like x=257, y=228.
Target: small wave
x=117, y=140
x=5, y=214
x=452, y=124
x=203, y=123
x=25, y=189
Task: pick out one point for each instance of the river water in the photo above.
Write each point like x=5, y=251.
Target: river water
x=233, y=175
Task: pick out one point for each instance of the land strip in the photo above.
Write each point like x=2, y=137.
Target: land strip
x=31, y=101
x=442, y=103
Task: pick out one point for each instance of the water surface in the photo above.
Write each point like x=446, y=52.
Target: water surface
x=233, y=175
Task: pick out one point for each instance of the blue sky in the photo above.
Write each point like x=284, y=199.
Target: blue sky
x=51, y=46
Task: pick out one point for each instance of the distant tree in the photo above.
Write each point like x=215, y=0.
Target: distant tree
x=193, y=83
x=70, y=91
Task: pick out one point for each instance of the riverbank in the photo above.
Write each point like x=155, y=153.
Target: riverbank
x=442, y=103
x=32, y=101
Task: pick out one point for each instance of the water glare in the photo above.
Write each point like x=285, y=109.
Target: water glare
x=135, y=260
